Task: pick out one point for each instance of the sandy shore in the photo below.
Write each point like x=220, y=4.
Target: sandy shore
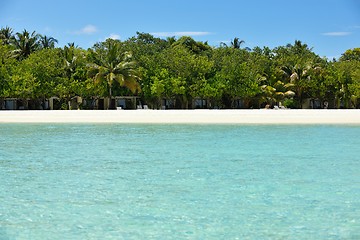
x=186, y=116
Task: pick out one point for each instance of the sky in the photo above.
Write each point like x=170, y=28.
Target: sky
x=329, y=27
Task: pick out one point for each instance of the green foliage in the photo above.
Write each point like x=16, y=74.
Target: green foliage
x=179, y=69
x=299, y=66
x=236, y=75
x=191, y=45
x=346, y=83
x=36, y=78
x=24, y=85
x=7, y=66
x=47, y=42
x=109, y=63
x=289, y=103
x=25, y=43
x=75, y=69
x=6, y=36
x=351, y=55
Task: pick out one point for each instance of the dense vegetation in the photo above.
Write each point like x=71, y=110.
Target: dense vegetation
x=182, y=69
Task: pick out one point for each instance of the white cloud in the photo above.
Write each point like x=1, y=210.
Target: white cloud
x=114, y=36
x=88, y=29
x=336, y=34
x=179, y=34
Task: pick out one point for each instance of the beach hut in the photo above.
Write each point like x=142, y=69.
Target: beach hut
x=127, y=102
x=75, y=102
x=10, y=104
x=54, y=103
x=200, y=103
x=167, y=103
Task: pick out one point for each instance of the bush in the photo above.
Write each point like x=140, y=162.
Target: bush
x=289, y=103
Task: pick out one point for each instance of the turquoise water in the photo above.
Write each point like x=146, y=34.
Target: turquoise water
x=179, y=182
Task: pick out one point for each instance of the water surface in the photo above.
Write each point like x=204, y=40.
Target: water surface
x=113, y=181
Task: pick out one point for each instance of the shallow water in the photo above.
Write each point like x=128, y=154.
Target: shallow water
x=112, y=181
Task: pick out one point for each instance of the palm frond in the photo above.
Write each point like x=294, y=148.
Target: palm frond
x=289, y=94
x=111, y=64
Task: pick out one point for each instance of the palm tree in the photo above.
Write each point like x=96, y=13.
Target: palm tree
x=70, y=59
x=171, y=40
x=47, y=42
x=300, y=48
x=276, y=92
x=71, y=56
x=298, y=78
x=111, y=65
x=236, y=43
x=6, y=35
x=25, y=43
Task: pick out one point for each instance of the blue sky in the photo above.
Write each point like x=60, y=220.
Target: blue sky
x=330, y=27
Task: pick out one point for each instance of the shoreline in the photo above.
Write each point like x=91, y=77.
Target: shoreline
x=238, y=116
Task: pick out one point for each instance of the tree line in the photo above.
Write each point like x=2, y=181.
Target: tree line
x=177, y=69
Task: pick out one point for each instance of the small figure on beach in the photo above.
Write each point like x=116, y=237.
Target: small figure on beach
x=326, y=104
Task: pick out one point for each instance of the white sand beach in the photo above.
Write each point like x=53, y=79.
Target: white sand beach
x=185, y=116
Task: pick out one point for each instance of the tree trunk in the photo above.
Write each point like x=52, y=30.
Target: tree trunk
x=109, y=100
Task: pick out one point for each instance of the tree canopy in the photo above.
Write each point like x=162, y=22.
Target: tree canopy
x=177, y=69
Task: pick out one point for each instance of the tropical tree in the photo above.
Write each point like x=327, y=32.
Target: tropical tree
x=272, y=89
x=147, y=52
x=351, y=55
x=179, y=69
x=110, y=64
x=193, y=46
x=69, y=59
x=171, y=40
x=143, y=45
x=299, y=66
x=47, y=42
x=25, y=43
x=6, y=35
x=164, y=85
x=7, y=66
x=276, y=93
x=186, y=70
x=233, y=69
x=37, y=76
x=347, y=83
x=299, y=79
x=74, y=71
x=236, y=43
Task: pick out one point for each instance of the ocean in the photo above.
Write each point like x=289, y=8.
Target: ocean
x=141, y=181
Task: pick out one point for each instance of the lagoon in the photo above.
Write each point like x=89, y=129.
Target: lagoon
x=182, y=181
